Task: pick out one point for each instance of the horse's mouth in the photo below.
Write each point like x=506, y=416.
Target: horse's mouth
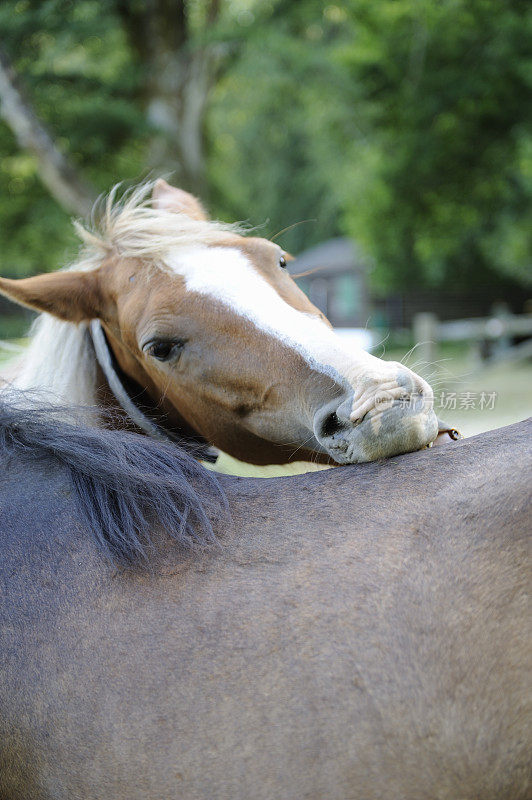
x=383, y=436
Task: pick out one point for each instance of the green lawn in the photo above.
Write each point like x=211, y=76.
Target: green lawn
x=10, y=349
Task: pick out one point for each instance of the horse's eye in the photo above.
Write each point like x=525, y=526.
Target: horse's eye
x=164, y=350
x=282, y=262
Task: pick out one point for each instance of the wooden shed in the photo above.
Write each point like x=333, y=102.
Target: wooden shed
x=337, y=282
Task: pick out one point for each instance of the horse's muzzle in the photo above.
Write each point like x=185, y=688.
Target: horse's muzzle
x=381, y=422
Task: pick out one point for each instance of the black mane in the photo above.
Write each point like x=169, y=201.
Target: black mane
x=123, y=482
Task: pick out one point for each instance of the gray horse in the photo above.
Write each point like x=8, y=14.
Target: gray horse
x=354, y=634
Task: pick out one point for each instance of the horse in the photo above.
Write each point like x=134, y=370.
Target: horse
x=353, y=634
x=198, y=333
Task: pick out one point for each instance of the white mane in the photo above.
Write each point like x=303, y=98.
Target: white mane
x=60, y=360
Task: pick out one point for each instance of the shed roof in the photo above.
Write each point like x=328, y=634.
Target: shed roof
x=335, y=255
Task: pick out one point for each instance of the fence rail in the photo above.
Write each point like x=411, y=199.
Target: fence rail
x=498, y=331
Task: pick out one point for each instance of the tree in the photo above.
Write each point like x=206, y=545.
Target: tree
x=81, y=89
x=441, y=177
x=179, y=56
x=57, y=174
x=403, y=123
x=127, y=86
x=175, y=59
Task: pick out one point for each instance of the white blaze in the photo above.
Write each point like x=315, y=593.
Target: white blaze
x=226, y=275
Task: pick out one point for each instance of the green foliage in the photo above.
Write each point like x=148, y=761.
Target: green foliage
x=441, y=180
x=78, y=73
x=404, y=123
x=271, y=132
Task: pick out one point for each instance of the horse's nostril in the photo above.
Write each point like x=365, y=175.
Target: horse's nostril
x=330, y=425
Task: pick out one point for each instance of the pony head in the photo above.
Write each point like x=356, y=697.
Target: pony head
x=211, y=324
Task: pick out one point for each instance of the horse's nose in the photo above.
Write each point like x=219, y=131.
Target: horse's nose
x=400, y=387
x=332, y=423
x=381, y=418
x=414, y=385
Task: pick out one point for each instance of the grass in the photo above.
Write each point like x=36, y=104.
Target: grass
x=10, y=349
x=473, y=397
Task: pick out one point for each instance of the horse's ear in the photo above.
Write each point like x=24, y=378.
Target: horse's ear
x=72, y=296
x=172, y=199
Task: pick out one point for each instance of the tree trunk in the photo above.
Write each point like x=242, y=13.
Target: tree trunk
x=179, y=92
x=56, y=172
x=180, y=73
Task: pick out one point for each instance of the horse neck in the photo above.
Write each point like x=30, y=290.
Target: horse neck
x=59, y=362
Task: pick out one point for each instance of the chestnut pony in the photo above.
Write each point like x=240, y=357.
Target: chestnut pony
x=205, y=327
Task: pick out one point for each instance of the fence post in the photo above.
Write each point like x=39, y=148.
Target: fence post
x=498, y=325
x=425, y=330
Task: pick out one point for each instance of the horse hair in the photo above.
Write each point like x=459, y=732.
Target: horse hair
x=124, y=483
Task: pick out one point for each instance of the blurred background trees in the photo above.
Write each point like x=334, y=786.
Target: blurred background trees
x=402, y=123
